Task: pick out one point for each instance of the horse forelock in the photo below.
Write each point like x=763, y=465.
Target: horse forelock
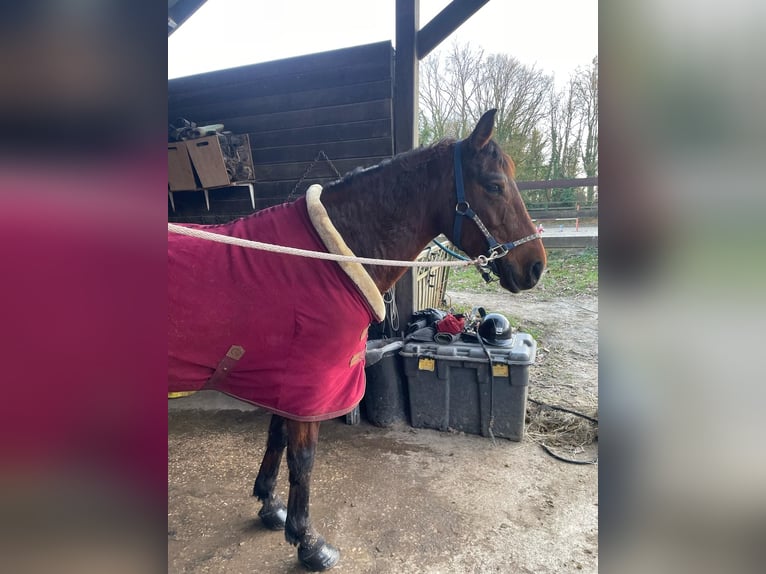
x=506, y=161
x=510, y=163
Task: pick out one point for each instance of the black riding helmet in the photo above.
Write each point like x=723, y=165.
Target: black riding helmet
x=495, y=330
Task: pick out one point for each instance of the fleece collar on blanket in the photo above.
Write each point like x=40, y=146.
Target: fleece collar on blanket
x=335, y=244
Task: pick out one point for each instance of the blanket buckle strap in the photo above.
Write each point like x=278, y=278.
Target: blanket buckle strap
x=225, y=366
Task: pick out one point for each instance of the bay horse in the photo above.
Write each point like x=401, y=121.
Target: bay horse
x=307, y=363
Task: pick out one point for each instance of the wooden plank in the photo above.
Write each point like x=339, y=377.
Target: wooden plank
x=340, y=150
x=281, y=189
x=196, y=199
x=279, y=179
x=553, y=241
x=303, y=100
x=556, y=183
x=188, y=202
x=444, y=23
x=379, y=109
x=553, y=213
x=237, y=207
x=377, y=51
x=284, y=84
x=431, y=282
x=218, y=208
x=322, y=134
x=229, y=194
x=294, y=171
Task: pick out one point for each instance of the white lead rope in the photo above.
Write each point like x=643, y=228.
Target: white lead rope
x=200, y=234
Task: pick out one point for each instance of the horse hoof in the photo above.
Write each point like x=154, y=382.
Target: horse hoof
x=318, y=557
x=273, y=518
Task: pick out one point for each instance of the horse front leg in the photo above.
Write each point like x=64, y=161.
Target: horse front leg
x=313, y=552
x=273, y=514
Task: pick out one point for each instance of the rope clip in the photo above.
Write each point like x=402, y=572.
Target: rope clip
x=482, y=266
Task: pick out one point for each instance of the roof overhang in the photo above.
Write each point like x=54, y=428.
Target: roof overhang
x=179, y=11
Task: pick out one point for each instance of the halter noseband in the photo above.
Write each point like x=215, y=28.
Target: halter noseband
x=463, y=209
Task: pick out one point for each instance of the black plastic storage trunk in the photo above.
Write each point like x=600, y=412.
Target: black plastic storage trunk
x=449, y=386
x=385, y=396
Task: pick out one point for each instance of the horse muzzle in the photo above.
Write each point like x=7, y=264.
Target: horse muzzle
x=513, y=280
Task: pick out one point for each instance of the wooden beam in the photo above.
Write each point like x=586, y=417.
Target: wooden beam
x=406, y=120
x=180, y=11
x=406, y=76
x=444, y=23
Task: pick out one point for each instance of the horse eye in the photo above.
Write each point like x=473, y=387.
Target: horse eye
x=494, y=188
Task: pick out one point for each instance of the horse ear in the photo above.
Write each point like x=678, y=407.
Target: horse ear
x=482, y=133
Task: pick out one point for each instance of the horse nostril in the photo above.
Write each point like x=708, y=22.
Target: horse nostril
x=535, y=272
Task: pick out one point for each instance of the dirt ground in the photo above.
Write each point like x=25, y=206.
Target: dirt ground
x=403, y=499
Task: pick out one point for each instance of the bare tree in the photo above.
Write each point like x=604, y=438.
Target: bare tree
x=585, y=88
x=550, y=134
x=464, y=67
x=565, y=124
x=519, y=93
x=437, y=100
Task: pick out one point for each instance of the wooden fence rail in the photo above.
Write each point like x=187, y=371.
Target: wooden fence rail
x=556, y=183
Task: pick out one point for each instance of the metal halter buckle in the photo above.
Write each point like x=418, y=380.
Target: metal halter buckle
x=460, y=210
x=497, y=252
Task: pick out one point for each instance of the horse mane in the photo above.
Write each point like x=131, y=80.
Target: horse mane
x=410, y=160
x=401, y=163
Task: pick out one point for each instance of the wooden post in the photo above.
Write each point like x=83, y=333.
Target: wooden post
x=406, y=120
x=406, y=76
x=413, y=44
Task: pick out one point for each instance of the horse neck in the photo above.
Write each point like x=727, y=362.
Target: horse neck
x=392, y=211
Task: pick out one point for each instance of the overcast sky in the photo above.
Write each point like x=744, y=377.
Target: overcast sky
x=555, y=35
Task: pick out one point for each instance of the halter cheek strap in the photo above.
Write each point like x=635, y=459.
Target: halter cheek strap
x=463, y=209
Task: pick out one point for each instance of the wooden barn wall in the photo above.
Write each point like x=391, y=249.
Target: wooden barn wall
x=339, y=102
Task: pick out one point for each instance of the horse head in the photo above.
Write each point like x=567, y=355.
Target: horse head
x=490, y=216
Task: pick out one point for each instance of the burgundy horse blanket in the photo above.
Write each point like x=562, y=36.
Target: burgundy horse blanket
x=282, y=332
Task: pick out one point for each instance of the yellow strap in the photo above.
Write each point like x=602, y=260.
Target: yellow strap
x=180, y=394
